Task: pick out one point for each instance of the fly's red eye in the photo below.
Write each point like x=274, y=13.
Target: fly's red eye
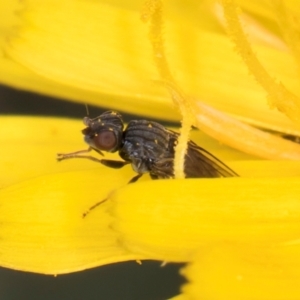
x=105, y=140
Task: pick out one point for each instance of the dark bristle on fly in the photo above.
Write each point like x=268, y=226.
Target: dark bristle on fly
x=148, y=146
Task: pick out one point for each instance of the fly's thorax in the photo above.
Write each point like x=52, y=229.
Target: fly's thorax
x=142, y=139
x=145, y=142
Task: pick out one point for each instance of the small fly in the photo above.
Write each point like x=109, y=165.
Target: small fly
x=148, y=146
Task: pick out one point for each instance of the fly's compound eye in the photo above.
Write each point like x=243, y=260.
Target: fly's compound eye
x=104, y=132
x=106, y=140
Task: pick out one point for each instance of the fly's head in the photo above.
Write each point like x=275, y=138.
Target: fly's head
x=104, y=132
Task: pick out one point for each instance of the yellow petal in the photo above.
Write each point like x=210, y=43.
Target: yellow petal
x=180, y=297
x=87, y=55
x=242, y=136
x=171, y=219
x=243, y=271
x=42, y=200
x=87, y=61
x=89, y=64
x=43, y=229
x=29, y=146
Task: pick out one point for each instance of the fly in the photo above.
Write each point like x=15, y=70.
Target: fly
x=148, y=146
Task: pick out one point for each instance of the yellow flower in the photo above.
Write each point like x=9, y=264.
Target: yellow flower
x=239, y=235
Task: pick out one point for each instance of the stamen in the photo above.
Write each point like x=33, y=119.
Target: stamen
x=152, y=12
x=278, y=95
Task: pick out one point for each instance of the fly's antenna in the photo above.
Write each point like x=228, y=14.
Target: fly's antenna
x=87, y=110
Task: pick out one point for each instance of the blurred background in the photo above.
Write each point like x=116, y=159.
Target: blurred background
x=124, y=281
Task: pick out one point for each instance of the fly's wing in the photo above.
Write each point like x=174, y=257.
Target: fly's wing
x=199, y=163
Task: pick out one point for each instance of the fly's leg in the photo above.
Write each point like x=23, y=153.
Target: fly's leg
x=93, y=207
x=61, y=156
x=153, y=176
x=115, y=164
x=135, y=178
x=132, y=180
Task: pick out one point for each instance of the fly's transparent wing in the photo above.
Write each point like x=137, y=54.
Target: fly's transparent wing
x=199, y=163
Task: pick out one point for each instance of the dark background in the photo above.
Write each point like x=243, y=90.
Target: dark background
x=124, y=281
